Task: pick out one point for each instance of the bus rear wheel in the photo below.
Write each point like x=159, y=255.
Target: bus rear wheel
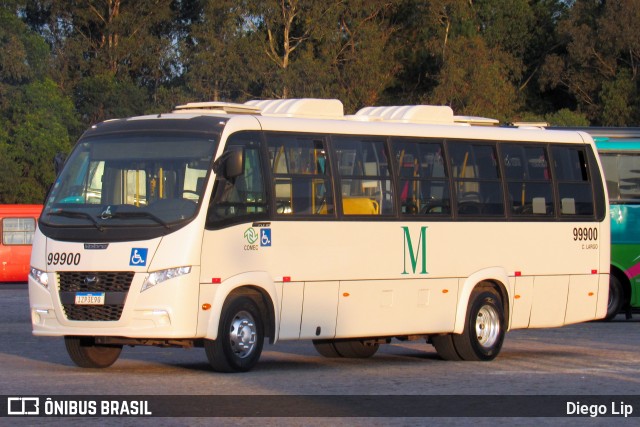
x=86, y=354
x=483, y=334
x=484, y=327
x=616, y=297
x=240, y=337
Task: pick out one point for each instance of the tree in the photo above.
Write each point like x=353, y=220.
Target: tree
x=601, y=64
x=24, y=54
x=223, y=60
x=286, y=31
x=40, y=116
x=477, y=80
x=119, y=44
x=292, y=48
x=364, y=60
x=475, y=59
x=35, y=116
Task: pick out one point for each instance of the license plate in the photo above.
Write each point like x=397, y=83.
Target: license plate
x=89, y=298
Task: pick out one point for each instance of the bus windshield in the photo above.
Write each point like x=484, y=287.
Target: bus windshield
x=131, y=180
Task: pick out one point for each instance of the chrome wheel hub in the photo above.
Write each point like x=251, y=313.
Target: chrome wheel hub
x=487, y=326
x=242, y=335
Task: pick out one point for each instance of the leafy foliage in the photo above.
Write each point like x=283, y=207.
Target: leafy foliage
x=35, y=116
x=67, y=64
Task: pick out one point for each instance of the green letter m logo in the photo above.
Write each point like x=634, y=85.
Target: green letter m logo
x=420, y=252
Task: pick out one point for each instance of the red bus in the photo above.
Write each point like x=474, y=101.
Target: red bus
x=17, y=225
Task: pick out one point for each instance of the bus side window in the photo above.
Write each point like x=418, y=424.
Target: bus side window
x=18, y=231
x=572, y=179
x=423, y=178
x=244, y=196
x=622, y=174
x=476, y=179
x=529, y=187
x=365, y=179
x=612, y=172
x=300, y=169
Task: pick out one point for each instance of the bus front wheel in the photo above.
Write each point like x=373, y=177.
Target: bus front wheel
x=445, y=348
x=326, y=348
x=352, y=349
x=86, y=354
x=356, y=349
x=240, y=337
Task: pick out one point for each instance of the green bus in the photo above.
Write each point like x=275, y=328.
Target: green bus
x=620, y=156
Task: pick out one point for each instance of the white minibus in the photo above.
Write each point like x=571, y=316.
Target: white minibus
x=221, y=225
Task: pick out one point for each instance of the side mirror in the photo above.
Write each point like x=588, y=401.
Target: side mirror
x=231, y=164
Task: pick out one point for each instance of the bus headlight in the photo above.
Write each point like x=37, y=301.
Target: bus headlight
x=40, y=276
x=162, y=275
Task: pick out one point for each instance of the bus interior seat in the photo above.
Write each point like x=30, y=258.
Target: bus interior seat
x=360, y=206
x=539, y=205
x=569, y=206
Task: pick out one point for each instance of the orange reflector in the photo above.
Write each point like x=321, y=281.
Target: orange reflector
x=590, y=294
x=517, y=296
x=206, y=306
x=444, y=291
x=346, y=294
x=216, y=280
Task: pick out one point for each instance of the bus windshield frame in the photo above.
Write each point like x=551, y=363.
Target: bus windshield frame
x=147, y=189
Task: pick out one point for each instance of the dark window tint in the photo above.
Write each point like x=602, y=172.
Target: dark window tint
x=622, y=172
x=574, y=187
x=529, y=187
x=476, y=179
x=300, y=169
x=423, y=179
x=243, y=196
x=365, y=180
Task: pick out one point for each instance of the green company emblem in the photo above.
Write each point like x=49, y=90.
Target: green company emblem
x=251, y=235
x=419, y=254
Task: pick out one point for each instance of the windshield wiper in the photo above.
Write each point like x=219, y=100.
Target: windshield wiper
x=140, y=214
x=76, y=214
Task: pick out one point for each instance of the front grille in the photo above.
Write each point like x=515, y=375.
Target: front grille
x=115, y=285
x=98, y=281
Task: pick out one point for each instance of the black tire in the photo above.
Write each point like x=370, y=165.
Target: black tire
x=445, y=348
x=616, y=298
x=240, y=337
x=355, y=349
x=326, y=348
x=484, y=327
x=86, y=354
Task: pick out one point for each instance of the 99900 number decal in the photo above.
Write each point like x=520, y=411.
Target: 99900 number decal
x=585, y=233
x=62, y=258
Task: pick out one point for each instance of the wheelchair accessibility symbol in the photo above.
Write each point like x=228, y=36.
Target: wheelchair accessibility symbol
x=138, y=257
x=265, y=237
